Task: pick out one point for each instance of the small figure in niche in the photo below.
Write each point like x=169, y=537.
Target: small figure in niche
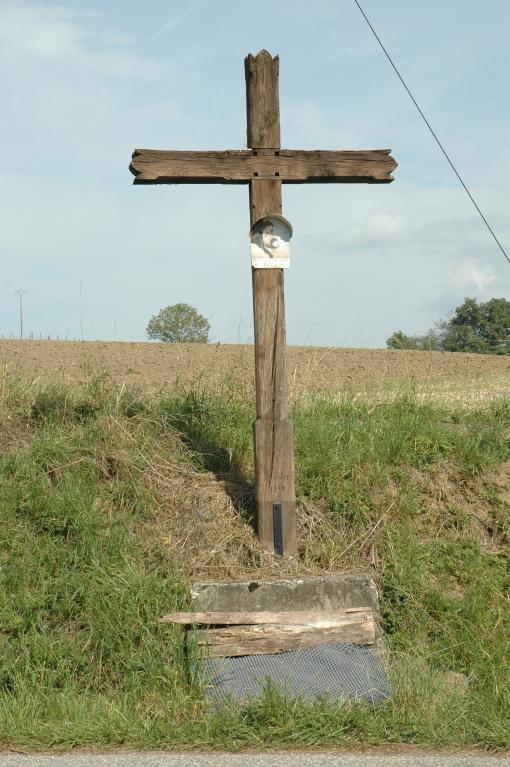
x=266, y=239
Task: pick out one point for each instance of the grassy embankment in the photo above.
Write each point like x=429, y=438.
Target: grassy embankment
x=110, y=500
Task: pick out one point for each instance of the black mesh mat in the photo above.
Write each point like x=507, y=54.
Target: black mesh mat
x=336, y=671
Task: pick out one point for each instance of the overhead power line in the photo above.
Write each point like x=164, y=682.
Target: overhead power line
x=443, y=150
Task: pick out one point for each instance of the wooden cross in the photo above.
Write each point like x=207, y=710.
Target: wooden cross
x=265, y=166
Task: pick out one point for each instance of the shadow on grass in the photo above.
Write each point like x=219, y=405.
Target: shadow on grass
x=219, y=441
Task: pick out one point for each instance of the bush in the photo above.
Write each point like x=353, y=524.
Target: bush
x=178, y=324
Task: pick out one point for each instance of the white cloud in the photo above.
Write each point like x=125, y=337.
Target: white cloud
x=470, y=274
x=53, y=34
x=310, y=125
x=408, y=273
x=376, y=229
x=43, y=33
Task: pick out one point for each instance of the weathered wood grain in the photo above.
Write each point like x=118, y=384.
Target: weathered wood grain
x=274, y=477
x=262, y=102
x=312, y=618
x=291, y=166
x=272, y=431
x=270, y=639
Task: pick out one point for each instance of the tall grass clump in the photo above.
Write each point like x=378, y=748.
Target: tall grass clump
x=80, y=595
x=112, y=499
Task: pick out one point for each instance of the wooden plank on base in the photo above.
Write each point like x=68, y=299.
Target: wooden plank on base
x=269, y=632
x=312, y=618
x=234, y=641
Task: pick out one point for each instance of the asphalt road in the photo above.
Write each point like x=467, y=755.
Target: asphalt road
x=287, y=759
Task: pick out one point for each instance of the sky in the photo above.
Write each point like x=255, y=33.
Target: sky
x=84, y=83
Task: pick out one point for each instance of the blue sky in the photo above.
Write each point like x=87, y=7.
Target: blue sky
x=84, y=83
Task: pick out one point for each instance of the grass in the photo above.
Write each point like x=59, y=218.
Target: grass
x=111, y=500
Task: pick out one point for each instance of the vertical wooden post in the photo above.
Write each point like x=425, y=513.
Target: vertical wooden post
x=274, y=462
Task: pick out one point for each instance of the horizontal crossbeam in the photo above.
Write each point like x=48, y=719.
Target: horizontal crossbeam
x=292, y=166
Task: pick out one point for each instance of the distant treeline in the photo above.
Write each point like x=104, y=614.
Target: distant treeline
x=483, y=328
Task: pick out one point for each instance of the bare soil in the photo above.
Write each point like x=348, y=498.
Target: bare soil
x=157, y=366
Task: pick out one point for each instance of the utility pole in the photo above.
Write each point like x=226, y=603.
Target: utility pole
x=20, y=293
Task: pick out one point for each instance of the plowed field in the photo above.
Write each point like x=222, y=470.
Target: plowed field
x=159, y=366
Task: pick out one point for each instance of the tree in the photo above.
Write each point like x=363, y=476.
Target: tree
x=178, y=324
x=474, y=327
x=483, y=328
x=399, y=340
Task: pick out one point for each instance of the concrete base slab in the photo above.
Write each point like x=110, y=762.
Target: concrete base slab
x=330, y=592
x=337, y=671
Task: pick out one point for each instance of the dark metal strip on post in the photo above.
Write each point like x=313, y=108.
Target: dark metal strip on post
x=278, y=529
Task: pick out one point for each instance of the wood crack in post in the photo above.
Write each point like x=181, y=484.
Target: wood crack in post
x=273, y=405
x=274, y=475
